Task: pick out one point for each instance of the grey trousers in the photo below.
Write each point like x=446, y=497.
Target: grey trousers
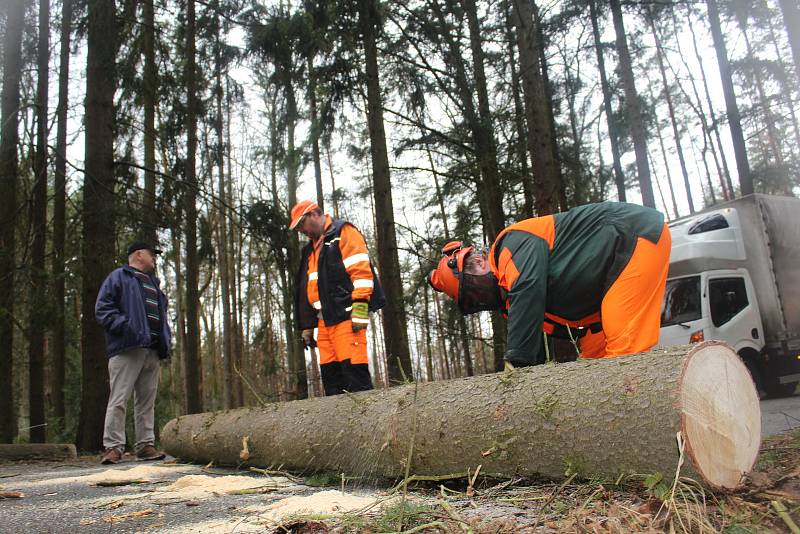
x=136, y=371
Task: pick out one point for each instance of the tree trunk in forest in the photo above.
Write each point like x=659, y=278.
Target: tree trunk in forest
x=550, y=106
x=728, y=184
x=191, y=363
x=297, y=358
x=314, y=130
x=394, y=315
x=58, y=346
x=99, y=214
x=613, y=132
x=149, y=95
x=480, y=123
x=763, y=103
x=228, y=379
x=9, y=136
x=541, y=139
x=671, y=108
x=787, y=86
x=667, y=170
x=602, y=418
x=791, y=19
x=633, y=107
x=521, y=142
x=179, y=306
x=734, y=117
x=697, y=107
x=38, y=315
x=235, y=248
x=483, y=129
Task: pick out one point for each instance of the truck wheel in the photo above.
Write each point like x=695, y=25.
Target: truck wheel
x=776, y=390
x=754, y=365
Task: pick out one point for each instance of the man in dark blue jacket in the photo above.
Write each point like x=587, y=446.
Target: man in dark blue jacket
x=133, y=311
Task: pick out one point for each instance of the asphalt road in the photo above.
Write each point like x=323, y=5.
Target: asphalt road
x=779, y=415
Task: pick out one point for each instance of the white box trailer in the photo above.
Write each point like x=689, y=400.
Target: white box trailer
x=734, y=275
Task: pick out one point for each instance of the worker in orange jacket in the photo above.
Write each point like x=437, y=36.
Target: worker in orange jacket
x=336, y=289
x=595, y=273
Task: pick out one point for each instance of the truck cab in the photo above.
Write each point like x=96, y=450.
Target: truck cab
x=719, y=304
x=732, y=277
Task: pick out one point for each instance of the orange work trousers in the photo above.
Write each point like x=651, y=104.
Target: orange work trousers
x=631, y=309
x=343, y=359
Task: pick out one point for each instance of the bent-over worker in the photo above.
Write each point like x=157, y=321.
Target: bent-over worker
x=596, y=272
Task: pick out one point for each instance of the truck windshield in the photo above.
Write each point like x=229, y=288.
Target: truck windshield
x=681, y=301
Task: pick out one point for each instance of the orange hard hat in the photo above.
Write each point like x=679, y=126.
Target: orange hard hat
x=446, y=278
x=300, y=210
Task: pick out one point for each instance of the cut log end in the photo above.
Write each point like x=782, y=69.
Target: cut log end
x=720, y=415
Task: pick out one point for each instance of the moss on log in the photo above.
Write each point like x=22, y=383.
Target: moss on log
x=594, y=417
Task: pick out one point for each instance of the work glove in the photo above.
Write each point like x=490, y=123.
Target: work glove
x=308, y=338
x=359, y=315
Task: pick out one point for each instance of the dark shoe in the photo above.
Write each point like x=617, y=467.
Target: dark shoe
x=148, y=452
x=111, y=456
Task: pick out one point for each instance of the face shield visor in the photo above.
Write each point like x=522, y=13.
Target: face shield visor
x=472, y=292
x=479, y=292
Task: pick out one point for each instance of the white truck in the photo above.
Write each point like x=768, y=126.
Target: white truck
x=734, y=275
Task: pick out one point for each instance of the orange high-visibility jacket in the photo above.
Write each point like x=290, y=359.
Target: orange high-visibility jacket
x=334, y=272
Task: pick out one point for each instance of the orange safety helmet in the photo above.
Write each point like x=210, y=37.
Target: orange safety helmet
x=300, y=210
x=446, y=278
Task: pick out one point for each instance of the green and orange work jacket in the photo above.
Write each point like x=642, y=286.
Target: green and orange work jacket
x=557, y=268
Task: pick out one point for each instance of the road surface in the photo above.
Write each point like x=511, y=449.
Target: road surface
x=779, y=415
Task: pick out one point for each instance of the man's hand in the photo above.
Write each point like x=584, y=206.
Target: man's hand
x=308, y=338
x=359, y=315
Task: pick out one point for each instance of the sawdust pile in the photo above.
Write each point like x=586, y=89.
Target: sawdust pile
x=204, y=486
x=140, y=474
x=331, y=502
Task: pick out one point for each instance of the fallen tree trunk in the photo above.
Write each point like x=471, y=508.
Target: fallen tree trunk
x=594, y=417
x=38, y=451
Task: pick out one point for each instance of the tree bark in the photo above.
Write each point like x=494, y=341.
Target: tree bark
x=192, y=364
x=38, y=315
x=9, y=121
x=97, y=247
x=613, y=132
x=394, y=316
x=58, y=347
x=598, y=418
x=734, y=117
x=633, y=107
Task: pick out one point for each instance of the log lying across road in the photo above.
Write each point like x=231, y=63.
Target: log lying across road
x=594, y=417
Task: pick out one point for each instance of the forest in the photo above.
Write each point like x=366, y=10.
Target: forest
x=197, y=124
